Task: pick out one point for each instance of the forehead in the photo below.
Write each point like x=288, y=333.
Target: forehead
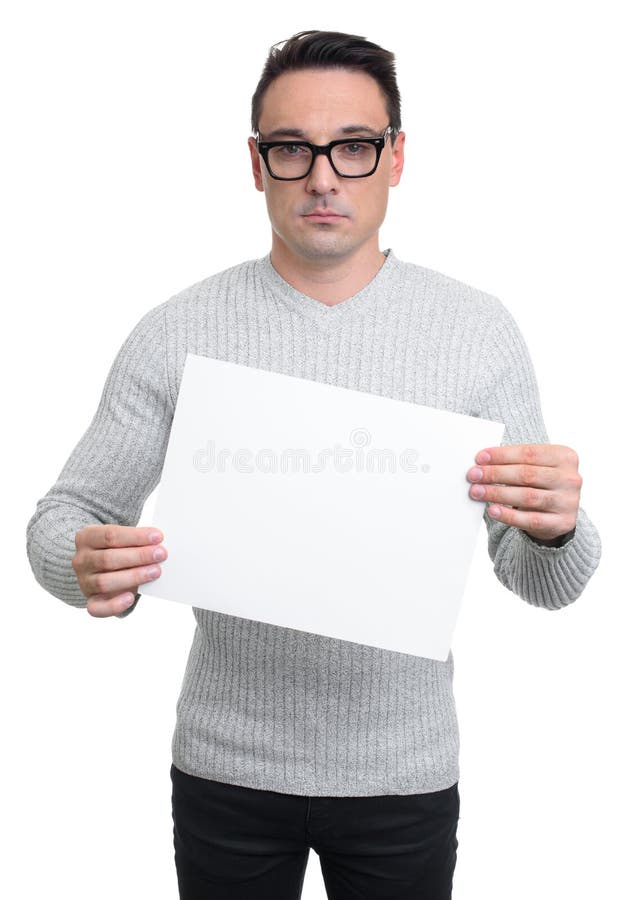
x=322, y=99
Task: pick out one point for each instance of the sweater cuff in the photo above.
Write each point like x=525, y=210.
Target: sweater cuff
x=561, y=540
x=549, y=577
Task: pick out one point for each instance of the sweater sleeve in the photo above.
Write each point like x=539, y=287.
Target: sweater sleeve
x=114, y=466
x=549, y=577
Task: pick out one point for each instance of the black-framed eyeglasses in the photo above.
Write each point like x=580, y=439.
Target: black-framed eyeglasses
x=349, y=157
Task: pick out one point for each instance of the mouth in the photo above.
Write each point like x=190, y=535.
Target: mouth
x=324, y=215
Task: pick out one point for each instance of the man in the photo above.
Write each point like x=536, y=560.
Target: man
x=287, y=740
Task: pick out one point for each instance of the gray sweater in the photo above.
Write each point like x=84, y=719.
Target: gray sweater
x=276, y=708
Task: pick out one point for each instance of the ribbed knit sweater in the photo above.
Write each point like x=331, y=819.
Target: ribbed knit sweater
x=275, y=708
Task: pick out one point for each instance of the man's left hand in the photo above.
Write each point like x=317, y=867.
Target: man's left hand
x=535, y=487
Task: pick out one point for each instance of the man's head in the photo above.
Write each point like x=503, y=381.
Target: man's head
x=330, y=50
x=319, y=87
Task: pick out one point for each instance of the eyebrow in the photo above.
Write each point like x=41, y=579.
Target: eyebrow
x=298, y=133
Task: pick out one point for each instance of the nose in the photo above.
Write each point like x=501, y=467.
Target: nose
x=322, y=179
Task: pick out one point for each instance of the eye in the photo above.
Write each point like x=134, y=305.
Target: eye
x=291, y=150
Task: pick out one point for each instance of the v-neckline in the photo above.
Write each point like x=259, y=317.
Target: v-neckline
x=323, y=313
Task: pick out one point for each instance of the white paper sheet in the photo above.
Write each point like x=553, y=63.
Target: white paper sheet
x=319, y=508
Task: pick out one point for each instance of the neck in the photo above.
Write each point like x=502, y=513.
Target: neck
x=328, y=280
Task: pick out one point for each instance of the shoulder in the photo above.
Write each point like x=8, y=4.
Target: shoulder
x=218, y=285
x=211, y=287
x=445, y=291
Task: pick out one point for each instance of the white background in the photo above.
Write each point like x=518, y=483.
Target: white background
x=126, y=178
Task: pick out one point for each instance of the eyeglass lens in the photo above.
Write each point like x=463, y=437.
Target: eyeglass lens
x=292, y=161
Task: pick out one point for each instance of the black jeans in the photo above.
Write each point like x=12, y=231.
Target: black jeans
x=233, y=842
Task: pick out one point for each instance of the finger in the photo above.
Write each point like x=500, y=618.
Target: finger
x=102, y=536
x=530, y=476
x=102, y=605
x=112, y=559
x=524, y=498
x=530, y=454
x=534, y=522
x=115, y=582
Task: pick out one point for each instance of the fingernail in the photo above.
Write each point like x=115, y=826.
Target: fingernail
x=158, y=553
x=154, y=537
x=128, y=600
x=483, y=457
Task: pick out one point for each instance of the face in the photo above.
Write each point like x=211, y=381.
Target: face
x=321, y=106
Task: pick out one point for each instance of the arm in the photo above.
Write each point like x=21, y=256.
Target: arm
x=114, y=466
x=550, y=574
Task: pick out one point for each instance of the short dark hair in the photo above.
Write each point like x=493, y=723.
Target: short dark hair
x=331, y=50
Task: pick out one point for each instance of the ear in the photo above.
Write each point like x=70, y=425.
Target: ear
x=398, y=159
x=256, y=164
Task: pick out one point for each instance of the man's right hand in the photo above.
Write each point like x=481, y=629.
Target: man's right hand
x=111, y=561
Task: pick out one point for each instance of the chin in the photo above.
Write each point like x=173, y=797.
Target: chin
x=325, y=246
